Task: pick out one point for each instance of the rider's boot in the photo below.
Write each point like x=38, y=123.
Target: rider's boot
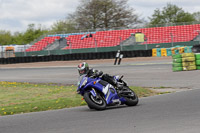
x=119, y=85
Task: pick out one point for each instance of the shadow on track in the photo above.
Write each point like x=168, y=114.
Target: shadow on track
x=108, y=108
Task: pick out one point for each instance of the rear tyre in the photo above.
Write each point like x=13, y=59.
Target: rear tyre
x=132, y=99
x=93, y=102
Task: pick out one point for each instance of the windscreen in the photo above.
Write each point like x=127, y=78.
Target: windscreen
x=81, y=78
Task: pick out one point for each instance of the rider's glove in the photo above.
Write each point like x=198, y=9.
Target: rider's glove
x=98, y=73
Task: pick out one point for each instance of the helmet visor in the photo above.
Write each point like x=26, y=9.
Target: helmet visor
x=81, y=72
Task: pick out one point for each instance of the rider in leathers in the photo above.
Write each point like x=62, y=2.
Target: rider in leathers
x=83, y=68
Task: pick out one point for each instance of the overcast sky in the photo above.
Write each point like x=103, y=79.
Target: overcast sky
x=15, y=15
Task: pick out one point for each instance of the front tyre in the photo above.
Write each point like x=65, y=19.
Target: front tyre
x=131, y=99
x=94, y=102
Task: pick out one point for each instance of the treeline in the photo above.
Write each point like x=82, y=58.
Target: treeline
x=32, y=32
x=101, y=14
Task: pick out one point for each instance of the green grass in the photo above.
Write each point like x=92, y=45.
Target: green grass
x=143, y=92
x=18, y=98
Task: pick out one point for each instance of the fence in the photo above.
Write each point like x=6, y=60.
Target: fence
x=10, y=50
x=103, y=49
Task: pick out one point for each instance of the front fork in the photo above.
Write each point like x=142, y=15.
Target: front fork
x=94, y=93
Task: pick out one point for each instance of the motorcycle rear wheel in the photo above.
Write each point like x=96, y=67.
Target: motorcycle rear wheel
x=131, y=100
x=93, y=102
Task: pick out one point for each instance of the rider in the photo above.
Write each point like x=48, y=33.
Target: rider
x=83, y=68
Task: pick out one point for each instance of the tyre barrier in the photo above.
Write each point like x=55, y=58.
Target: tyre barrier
x=184, y=62
x=197, y=56
x=75, y=56
x=171, y=51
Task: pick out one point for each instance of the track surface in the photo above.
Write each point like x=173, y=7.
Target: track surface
x=149, y=74
x=176, y=112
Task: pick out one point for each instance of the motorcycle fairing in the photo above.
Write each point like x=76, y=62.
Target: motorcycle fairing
x=108, y=90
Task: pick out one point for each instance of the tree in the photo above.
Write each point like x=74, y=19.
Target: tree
x=32, y=33
x=29, y=35
x=5, y=37
x=93, y=14
x=197, y=16
x=18, y=38
x=170, y=14
x=63, y=26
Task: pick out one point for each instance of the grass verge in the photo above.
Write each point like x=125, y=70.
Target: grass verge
x=16, y=98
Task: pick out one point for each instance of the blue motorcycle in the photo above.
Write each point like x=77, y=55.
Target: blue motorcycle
x=99, y=94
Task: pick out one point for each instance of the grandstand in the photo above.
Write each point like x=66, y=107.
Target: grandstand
x=43, y=43
x=182, y=33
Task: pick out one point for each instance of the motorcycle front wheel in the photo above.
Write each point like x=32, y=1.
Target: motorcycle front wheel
x=97, y=103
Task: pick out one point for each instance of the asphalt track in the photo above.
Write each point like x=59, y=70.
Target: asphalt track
x=146, y=74
x=176, y=112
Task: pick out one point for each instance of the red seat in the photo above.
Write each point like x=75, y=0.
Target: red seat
x=181, y=33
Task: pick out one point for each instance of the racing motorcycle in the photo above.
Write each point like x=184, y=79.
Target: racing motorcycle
x=99, y=94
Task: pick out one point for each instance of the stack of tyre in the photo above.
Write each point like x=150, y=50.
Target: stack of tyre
x=184, y=62
x=197, y=55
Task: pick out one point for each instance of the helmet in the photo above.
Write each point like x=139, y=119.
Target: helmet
x=83, y=68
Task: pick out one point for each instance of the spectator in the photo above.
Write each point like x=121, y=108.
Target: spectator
x=85, y=36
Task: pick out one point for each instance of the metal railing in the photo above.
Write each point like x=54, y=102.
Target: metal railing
x=135, y=26
x=11, y=53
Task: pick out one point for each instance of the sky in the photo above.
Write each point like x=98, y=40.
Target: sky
x=15, y=15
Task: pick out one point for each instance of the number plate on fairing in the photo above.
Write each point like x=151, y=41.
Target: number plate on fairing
x=106, y=89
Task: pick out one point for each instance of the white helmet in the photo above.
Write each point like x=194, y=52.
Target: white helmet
x=83, y=68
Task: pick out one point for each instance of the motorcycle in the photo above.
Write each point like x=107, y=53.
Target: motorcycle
x=98, y=94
